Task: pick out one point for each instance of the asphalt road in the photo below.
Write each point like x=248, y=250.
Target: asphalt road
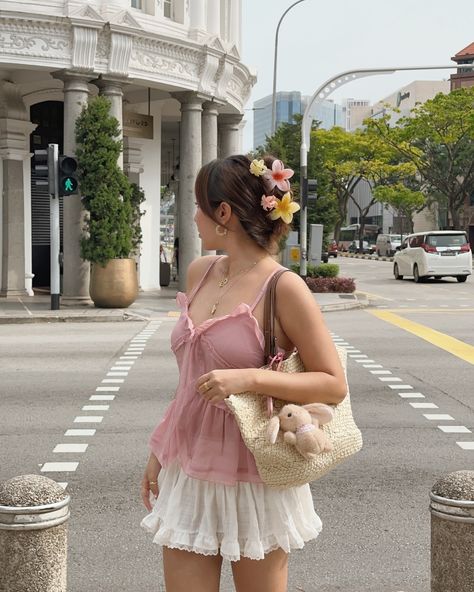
x=374, y=507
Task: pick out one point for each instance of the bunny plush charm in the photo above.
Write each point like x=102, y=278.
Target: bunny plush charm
x=301, y=427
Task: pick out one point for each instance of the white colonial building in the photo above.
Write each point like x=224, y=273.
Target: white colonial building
x=173, y=73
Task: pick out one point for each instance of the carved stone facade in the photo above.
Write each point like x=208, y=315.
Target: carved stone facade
x=53, y=50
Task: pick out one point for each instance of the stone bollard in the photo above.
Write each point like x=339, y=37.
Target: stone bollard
x=452, y=533
x=33, y=543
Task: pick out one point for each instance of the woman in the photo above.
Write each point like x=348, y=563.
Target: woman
x=210, y=501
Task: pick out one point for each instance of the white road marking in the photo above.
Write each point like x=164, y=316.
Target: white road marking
x=424, y=405
x=102, y=398
x=399, y=386
x=380, y=372
x=95, y=408
x=62, y=484
x=439, y=416
x=107, y=389
x=364, y=361
x=118, y=369
x=358, y=356
x=133, y=353
x=466, y=445
x=124, y=362
x=58, y=467
x=389, y=379
x=411, y=395
x=454, y=429
x=113, y=381
x=117, y=374
x=71, y=448
x=373, y=365
x=127, y=358
x=79, y=432
x=88, y=419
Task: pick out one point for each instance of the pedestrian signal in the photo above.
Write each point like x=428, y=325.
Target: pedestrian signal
x=67, y=175
x=43, y=169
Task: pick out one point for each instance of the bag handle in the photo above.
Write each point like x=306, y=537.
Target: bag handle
x=269, y=316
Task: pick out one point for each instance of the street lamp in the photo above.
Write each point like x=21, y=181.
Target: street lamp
x=275, y=65
x=318, y=97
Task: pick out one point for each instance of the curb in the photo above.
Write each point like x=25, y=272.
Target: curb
x=33, y=319
x=359, y=256
x=136, y=317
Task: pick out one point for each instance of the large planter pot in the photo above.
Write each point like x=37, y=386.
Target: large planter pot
x=115, y=285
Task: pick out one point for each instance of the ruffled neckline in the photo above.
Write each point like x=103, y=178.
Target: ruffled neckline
x=241, y=309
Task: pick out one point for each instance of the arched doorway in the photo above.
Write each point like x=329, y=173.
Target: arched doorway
x=48, y=116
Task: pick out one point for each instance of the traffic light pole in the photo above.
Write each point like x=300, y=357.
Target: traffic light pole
x=53, y=157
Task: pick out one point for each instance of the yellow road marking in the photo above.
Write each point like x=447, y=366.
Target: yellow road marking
x=455, y=347
x=174, y=313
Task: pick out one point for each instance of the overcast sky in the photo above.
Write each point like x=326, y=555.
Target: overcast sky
x=320, y=38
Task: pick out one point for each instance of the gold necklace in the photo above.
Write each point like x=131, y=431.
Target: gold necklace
x=224, y=281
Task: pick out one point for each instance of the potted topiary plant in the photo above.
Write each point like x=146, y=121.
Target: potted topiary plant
x=112, y=204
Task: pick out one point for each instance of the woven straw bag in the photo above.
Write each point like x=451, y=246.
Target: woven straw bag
x=280, y=465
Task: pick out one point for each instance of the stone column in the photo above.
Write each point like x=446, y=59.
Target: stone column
x=76, y=271
x=209, y=131
x=229, y=135
x=15, y=129
x=235, y=18
x=197, y=19
x=209, y=140
x=189, y=164
x=113, y=90
x=214, y=17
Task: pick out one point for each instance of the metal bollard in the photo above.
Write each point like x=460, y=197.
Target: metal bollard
x=452, y=533
x=33, y=535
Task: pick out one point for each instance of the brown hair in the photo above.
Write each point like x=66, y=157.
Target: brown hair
x=230, y=180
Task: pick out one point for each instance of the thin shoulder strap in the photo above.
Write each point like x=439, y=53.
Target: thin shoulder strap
x=263, y=288
x=201, y=281
x=269, y=315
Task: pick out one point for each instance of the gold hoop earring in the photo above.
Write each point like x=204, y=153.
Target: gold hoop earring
x=220, y=230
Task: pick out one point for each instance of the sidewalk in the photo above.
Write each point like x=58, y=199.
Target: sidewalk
x=149, y=305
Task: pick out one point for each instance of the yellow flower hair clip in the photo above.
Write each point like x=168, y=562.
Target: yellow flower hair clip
x=258, y=167
x=284, y=209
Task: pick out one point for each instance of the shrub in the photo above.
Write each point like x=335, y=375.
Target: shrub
x=331, y=284
x=112, y=221
x=324, y=270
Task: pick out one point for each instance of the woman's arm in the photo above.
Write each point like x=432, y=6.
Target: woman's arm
x=302, y=322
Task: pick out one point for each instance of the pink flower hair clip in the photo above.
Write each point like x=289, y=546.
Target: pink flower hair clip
x=278, y=177
x=268, y=202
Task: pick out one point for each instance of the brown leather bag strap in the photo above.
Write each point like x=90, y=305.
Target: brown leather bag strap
x=269, y=316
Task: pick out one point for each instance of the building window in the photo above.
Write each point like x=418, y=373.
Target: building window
x=136, y=4
x=167, y=8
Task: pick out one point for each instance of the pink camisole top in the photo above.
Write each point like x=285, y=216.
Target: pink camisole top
x=203, y=437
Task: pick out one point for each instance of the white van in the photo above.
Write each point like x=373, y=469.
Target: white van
x=437, y=254
x=387, y=244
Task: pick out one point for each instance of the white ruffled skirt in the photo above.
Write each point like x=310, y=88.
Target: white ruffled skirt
x=245, y=520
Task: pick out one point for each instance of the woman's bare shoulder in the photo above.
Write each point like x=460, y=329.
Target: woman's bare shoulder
x=197, y=268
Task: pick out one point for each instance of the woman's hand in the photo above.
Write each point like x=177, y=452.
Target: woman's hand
x=150, y=481
x=217, y=385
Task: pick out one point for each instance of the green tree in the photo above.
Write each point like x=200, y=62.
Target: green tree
x=349, y=158
x=438, y=139
x=402, y=199
x=112, y=223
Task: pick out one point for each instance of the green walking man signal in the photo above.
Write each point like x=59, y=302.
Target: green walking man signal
x=67, y=176
x=60, y=173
